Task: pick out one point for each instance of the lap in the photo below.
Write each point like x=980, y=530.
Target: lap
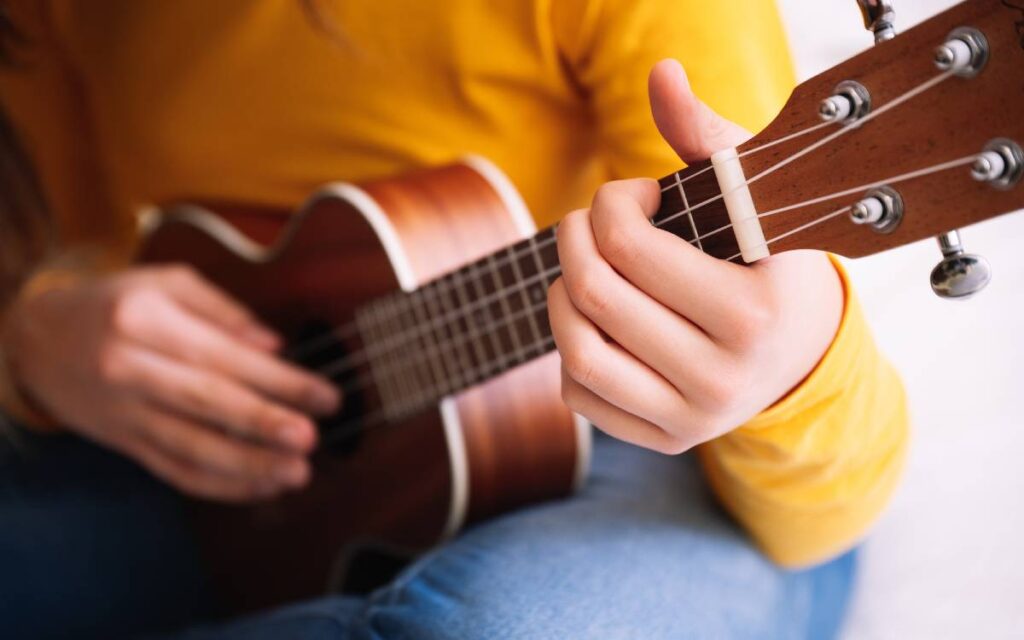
x=90, y=544
x=643, y=551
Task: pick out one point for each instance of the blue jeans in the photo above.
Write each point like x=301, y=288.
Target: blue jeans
x=90, y=546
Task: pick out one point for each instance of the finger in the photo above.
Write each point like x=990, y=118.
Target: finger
x=201, y=447
x=213, y=399
x=196, y=482
x=616, y=422
x=199, y=295
x=707, y=291
x=606, y=369
x=657, y=336
x=687, y=124
x=180, y=334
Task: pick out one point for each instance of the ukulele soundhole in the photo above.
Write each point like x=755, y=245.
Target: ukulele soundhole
x=318, y=351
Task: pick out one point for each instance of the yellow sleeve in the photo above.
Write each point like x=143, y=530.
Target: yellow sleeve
x=808, y=476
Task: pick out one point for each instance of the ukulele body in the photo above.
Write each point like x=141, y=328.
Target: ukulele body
x=408, y=485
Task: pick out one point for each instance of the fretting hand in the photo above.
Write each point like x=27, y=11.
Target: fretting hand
x=662, y=345
x=160, y=365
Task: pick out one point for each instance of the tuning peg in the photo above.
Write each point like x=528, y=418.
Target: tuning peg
x=959, y=275
x=965, y=52
x=1000, y=164
x=850, y=101
x=879, y=18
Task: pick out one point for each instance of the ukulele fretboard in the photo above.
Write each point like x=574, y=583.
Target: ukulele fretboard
x=490, y=316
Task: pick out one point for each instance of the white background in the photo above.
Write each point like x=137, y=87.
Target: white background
x=947, y=559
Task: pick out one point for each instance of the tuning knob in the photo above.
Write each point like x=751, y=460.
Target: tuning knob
x=960, y=274
x=879, y=18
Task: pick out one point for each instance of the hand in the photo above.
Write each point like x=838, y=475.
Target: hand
x=662, y=345
x=160, y=365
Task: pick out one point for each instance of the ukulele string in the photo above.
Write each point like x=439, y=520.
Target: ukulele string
x=482, y=370
x=908, y=95
x=856, y=124
x=752, y=151
x=952, y=164
x=349, y=328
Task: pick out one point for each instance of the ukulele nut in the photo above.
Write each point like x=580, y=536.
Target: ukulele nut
x=1001, y=164
x=881, y=209
x=849, y=102
x=965, y=52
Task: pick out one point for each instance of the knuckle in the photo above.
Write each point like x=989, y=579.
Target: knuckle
x=606, y=194
x=128, y=310
x=580, y=368
x=618, y=245
x=588, y=294
x=202, y=393
x=719, y=392
x=262, y=418
x=715, y=126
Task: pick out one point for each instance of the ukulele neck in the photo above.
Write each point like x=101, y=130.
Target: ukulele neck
x=481, y=320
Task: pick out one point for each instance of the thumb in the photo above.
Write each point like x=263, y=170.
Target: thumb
x=686, y=123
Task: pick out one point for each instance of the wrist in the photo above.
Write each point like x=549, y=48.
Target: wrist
x=16, y=398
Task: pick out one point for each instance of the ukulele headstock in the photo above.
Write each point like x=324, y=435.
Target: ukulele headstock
x=932, y=129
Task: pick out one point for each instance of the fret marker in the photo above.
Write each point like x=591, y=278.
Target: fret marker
x=740, y=205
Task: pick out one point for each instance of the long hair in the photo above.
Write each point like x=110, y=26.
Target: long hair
x=26, y=228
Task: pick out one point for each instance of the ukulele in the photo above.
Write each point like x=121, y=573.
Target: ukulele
x=423, y=296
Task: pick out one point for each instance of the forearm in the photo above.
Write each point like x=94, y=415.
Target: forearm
x=809, y=476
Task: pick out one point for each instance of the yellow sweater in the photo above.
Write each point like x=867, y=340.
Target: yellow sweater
x=125, y=102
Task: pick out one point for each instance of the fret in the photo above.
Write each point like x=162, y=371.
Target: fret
x=429, y=353
x=689, y=211
x=451, y=318
x=479, y=348
x=484, y=316
x=371, y=324
x=532, y=270
x=518, y=353
x=432, y=332
x=693, y=209
x=544, y=272
x=546, y=248
x=404, y=322
x=524, y=297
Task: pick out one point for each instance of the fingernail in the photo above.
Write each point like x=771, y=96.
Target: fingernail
x=293, y=474
x=296, y=434
x=324, y=400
